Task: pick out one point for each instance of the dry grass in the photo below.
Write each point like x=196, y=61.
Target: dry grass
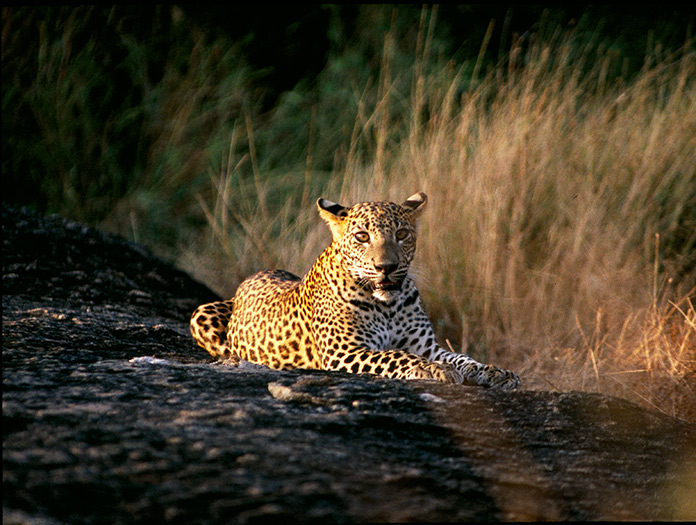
x=560, y=235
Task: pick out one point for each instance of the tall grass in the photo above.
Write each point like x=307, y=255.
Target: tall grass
x=560, y=238
x=560, y=234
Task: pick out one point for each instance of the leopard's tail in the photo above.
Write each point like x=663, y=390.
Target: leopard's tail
x=209, y=327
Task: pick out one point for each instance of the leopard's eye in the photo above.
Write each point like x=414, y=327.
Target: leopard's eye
x=401, y=234
x=362, y=236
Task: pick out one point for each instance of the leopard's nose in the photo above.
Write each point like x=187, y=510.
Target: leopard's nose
x=386, y=268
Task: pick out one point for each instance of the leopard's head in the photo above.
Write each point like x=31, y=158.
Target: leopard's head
x=375, y=241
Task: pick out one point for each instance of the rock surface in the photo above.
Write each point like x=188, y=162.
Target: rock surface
x=111, y=414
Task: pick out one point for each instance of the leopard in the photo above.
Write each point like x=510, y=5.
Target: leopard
x=356, y=310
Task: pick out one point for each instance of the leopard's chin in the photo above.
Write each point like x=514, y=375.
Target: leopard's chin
x=385, y=296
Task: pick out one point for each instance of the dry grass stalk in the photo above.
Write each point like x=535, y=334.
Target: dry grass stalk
x=547, y=190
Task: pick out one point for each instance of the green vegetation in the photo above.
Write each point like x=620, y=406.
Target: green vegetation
x=560, y=239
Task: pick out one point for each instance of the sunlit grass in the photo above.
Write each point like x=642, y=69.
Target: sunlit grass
x=560, y=233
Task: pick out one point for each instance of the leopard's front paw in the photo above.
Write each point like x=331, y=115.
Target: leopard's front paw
x=438, y=371
x=505, y=380
x=491, y=376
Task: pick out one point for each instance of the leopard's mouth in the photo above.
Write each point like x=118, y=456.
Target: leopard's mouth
x=387, y=284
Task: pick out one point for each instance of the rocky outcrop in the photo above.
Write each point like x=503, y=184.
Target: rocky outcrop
x=111, y=414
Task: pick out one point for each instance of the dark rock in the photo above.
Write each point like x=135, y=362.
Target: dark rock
x=111, y=414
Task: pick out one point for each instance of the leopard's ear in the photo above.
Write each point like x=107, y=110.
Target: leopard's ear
x=333, y=208
x=415, y=203
x=333, y=214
